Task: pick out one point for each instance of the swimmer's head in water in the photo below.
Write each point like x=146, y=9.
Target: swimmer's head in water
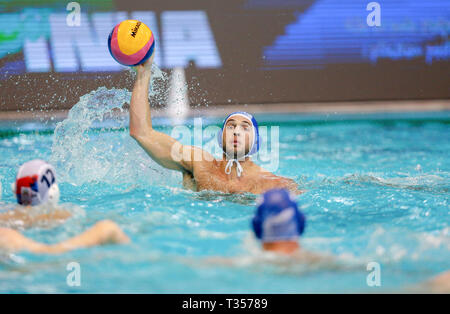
x=36, y=184
x=239, y=136
x=277, y=217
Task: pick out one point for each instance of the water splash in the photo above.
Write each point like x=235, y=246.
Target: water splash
x=87, y=147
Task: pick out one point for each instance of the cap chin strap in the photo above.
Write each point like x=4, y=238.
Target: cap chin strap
x=239, y=169
x=231, y=161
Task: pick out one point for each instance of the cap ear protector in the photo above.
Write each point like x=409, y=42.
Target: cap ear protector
x=257, y=226
x=301, y=222
x=263, y=212
x=53, y=194
x=256, y=138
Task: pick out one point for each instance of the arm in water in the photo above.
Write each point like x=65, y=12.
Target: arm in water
x=162, y=148
x=25, y=219
x=102, y=232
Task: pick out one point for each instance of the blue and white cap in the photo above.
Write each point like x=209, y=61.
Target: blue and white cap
x=277, y=217
x=36, y=184
x=254, y=148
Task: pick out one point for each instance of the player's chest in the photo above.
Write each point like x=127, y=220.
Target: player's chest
x=214, y=179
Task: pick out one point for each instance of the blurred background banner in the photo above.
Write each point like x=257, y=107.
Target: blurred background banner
x=234, y=51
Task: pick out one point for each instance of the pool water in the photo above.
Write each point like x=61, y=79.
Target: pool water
x=377, y=190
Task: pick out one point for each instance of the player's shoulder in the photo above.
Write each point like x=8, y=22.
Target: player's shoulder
x=201, y=156
x=262, y=171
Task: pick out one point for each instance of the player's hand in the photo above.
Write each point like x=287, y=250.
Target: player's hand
x=146, y=67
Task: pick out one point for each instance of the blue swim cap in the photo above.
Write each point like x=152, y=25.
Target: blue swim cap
x=256, y=139
x=277, y=217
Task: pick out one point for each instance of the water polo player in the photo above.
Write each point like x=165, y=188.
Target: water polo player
x=37, y=196
x=278, y=223
x=239, y=139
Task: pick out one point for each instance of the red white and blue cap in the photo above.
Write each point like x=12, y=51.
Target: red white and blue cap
x=34, y=181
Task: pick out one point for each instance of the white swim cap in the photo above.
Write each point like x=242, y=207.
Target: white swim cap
x=36, y=184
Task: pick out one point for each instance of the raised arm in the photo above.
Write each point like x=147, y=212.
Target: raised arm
x=162, y=148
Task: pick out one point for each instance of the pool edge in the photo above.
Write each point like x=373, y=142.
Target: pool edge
x=359, y=107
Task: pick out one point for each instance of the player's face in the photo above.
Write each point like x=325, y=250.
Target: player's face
x=237, y=136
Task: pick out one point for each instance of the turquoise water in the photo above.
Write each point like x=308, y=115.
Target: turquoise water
x=377, y=190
